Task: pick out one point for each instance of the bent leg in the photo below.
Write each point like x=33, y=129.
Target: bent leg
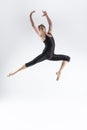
x=60, y=57
x=39, y=58
x=65, y=59
x=58, y=73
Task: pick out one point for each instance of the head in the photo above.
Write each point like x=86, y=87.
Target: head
x=42, y=28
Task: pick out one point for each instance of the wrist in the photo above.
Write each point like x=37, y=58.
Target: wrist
x=32, y=25
x=46, y=15
x=30, y=15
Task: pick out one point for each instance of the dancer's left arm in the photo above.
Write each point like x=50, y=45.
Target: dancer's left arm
x=48, y=20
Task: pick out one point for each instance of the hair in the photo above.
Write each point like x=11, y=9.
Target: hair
x=41, y=25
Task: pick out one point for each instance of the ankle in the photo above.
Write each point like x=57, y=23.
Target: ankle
x=59, y=71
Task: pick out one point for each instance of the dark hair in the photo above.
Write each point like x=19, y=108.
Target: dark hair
x=41, y=25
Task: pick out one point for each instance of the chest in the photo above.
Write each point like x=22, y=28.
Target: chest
x=46, y=37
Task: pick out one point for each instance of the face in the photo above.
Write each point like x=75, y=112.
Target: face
x=42, y=29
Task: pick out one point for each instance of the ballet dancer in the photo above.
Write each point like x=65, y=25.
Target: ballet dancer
x=48, y=51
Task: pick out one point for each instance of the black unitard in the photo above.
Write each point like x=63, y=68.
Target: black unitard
x=48, y=53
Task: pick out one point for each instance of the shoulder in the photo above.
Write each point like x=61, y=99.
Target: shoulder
x=49, y=34
x=42, y=37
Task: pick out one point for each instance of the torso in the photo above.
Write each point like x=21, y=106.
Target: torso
x=49, y=42
x=43, y=37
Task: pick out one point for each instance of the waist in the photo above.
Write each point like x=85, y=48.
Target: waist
x=49, y=49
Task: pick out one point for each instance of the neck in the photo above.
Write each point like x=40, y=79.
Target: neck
x=43, y=34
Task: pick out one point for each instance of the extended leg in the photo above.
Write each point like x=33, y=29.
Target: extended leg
x=65, y=59
x=39, y=58
x=12, y=73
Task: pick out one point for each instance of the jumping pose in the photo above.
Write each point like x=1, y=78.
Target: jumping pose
x=48, y=52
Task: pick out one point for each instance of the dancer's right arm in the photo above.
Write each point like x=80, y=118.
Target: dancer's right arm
x=32, y=22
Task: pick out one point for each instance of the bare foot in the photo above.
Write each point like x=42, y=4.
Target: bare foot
x=58, y=75
x=10, y=74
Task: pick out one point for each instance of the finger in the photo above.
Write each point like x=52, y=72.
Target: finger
x=43, y=15
x=43, y=11
x=33, y=10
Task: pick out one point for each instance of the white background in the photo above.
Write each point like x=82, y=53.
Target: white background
x=33, y=99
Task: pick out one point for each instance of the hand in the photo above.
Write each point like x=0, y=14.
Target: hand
x=44, y=13
x=32, y=12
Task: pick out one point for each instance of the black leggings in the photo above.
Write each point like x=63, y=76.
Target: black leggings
x=47, y=56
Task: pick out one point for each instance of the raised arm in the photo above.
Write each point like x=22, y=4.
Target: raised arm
x=32, y=22
x=48, y=20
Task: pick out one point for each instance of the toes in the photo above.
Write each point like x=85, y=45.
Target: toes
x=7, y=75
x=56, y=73
x=57, y=79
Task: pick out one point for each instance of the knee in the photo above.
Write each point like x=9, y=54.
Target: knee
x=68, y=58
x=26, y=65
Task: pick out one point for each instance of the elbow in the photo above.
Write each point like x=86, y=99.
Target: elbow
x=50, y=23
